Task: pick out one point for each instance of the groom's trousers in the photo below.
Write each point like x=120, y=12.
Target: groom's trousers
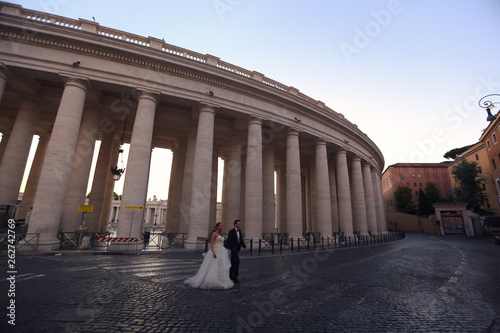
x=235, y=265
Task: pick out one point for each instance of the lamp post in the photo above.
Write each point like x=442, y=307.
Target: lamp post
x=117, y=172
x=487, y=104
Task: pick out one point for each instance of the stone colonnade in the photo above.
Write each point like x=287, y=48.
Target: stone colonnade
x=320, y=188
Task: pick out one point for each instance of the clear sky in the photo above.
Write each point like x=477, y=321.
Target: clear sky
x=408, y=73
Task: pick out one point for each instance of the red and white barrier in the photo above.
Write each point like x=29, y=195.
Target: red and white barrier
x=117, y=239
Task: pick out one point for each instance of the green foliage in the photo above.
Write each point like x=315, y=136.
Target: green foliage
x=468, y=187
x=427, y=197
x=454, y=153
x=424, y=207
x=403, y=197
x=116, y=196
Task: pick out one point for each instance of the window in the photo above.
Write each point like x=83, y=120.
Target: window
x=488, y=144
x=415, y=184
x=477, y=157
x=495, y=138
x=402, y=177
x=413, y=175
x=408, y=184
x=494, y=164
x=419, y=176
x=421, y=185
x=480, y=170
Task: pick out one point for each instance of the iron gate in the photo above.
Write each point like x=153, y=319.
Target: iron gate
x=453, y=224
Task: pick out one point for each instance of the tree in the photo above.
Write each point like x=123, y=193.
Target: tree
x=431, y=195
x=403, y=197
x=116, y=196
x=468, y=187
x=454, y=153
x=423, y=203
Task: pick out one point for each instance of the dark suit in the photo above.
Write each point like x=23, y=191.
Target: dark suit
x=234, y=246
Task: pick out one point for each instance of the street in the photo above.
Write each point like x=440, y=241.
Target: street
x=422, y=283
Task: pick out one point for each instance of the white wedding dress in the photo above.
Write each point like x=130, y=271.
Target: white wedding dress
x=213, y=272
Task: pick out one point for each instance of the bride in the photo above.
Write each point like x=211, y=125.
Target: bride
x=214, y=270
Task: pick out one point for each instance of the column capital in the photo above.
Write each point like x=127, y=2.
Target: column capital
x=75, y=80
x=148, y=94
x=320, y=142
x=207, y=106
x=254, y=120
x=341, y=151
x=292, y=131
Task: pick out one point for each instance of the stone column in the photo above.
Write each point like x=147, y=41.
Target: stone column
x=293, y=185
x=268, y=197
x=333, y=196
x=253, y=181
x=309, y=203
x=3, y=143
x=187, y=183
x=17, y=151
x=34, y=177
x=71, y=218
x=56, y=169
x=213, y=191
x=323, y=199
x=281, y=198
x=358, y=196
x=3, y=81
x=101, y=173
x=232, y=175
x=175, y=187
x=135, y=185
x=344, y=194
x=202, y=167
x=370, y=199
x=107, y=199
x=379, y=201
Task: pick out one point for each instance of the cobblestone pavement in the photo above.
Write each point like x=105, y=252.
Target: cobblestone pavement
x=419, y=284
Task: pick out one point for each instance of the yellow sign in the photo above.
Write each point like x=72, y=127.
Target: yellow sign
x=86, y=208
x=133, y=207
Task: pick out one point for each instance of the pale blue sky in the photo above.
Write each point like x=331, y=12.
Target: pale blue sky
x=408, y=73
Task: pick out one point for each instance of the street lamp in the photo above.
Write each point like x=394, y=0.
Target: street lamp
x=117, y=172
x=487, y=104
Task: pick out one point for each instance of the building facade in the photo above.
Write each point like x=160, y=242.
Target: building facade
x=479, y=154
x=490, y=138
x=72, y=82
x=414, y=176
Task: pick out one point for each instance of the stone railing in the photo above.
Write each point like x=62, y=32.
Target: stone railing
x=159, y=44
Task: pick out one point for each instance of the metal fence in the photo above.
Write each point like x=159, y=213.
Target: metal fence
x=20, y=242
x=271, y=245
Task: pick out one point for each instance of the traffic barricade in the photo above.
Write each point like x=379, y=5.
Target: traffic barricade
x=116, y=244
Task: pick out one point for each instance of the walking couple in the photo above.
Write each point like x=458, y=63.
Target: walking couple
x=217, y=271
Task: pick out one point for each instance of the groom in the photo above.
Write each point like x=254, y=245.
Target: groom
x=234, y=243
